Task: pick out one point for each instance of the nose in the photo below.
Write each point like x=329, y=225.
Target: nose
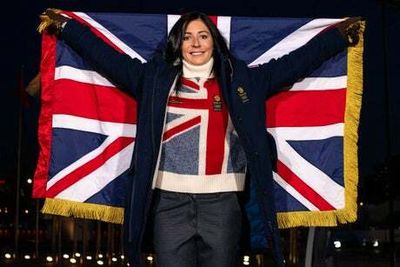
x=195, y=42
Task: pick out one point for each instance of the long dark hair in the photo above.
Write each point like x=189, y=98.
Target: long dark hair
x=173, y=54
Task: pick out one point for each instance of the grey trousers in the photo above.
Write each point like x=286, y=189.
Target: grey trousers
x=196, y=230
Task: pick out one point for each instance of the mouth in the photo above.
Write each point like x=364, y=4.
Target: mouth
x=196, y=53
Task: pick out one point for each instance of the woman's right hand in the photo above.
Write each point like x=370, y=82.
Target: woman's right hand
x=52, y=21
x=349, y=29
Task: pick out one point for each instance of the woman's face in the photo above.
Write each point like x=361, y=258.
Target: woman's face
x=197, y=43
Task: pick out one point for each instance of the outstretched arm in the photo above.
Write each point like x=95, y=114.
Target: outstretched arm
x=121, y=69
x=279, y=73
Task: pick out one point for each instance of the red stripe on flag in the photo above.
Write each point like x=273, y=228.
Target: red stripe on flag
x=181, y=127
x=306, y=108
x=301, y=187
x=214, y=19
x=47, y=68
x=93, y=101
x=81, y=172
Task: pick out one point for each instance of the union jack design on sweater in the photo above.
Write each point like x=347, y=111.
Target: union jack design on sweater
x=200, y=151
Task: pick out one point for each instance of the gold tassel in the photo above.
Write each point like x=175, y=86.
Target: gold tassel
x=81, y=210
x=48, y=20
x=45, y=22
x=352, y=118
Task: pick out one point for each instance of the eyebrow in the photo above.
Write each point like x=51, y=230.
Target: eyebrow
x=199, y=32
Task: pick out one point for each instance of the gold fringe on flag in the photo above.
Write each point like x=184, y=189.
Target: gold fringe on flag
x=350, y=154
x=81, y=210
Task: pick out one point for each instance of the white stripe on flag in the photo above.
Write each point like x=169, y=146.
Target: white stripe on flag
x=295, y=40
x=224, y=26
x=323, y=83
x=293, y=192
x=94, y=126
x=307, y=133
x=111, y=37
x=98, y=179
x=171, y=20
x=79, y=75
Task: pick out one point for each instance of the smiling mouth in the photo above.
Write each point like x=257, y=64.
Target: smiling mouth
x=197, y=53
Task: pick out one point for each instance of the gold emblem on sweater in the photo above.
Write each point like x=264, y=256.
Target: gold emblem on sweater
x=174, y=100
x=217, y=103
x=242, y=94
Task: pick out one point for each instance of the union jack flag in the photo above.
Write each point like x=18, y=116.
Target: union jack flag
x=87, y=126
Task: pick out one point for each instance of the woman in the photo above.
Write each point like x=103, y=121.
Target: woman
x=195, y=208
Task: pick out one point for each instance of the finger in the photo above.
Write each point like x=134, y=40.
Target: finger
x=355, y=19
x=56, y=15
x=50, y=12
x=54, y=11
x=50, y=9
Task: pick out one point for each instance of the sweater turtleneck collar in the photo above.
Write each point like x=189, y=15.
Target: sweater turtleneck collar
x=198, y=71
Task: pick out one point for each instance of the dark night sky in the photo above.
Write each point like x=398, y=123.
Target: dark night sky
x=380, y=117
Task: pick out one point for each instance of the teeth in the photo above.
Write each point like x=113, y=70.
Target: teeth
x=196, y=53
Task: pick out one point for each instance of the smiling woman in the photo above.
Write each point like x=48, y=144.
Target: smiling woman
x=197, y=45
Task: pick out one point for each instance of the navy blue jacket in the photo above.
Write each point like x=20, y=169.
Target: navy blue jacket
x=150, y=84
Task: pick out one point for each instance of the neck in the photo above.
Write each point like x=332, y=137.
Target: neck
x=198, y=71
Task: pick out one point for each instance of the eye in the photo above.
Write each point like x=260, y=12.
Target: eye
x=204, y=36
x=186, y=37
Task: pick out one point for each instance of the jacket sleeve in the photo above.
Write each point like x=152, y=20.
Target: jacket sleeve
x=119, y=68
x=279, y=73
